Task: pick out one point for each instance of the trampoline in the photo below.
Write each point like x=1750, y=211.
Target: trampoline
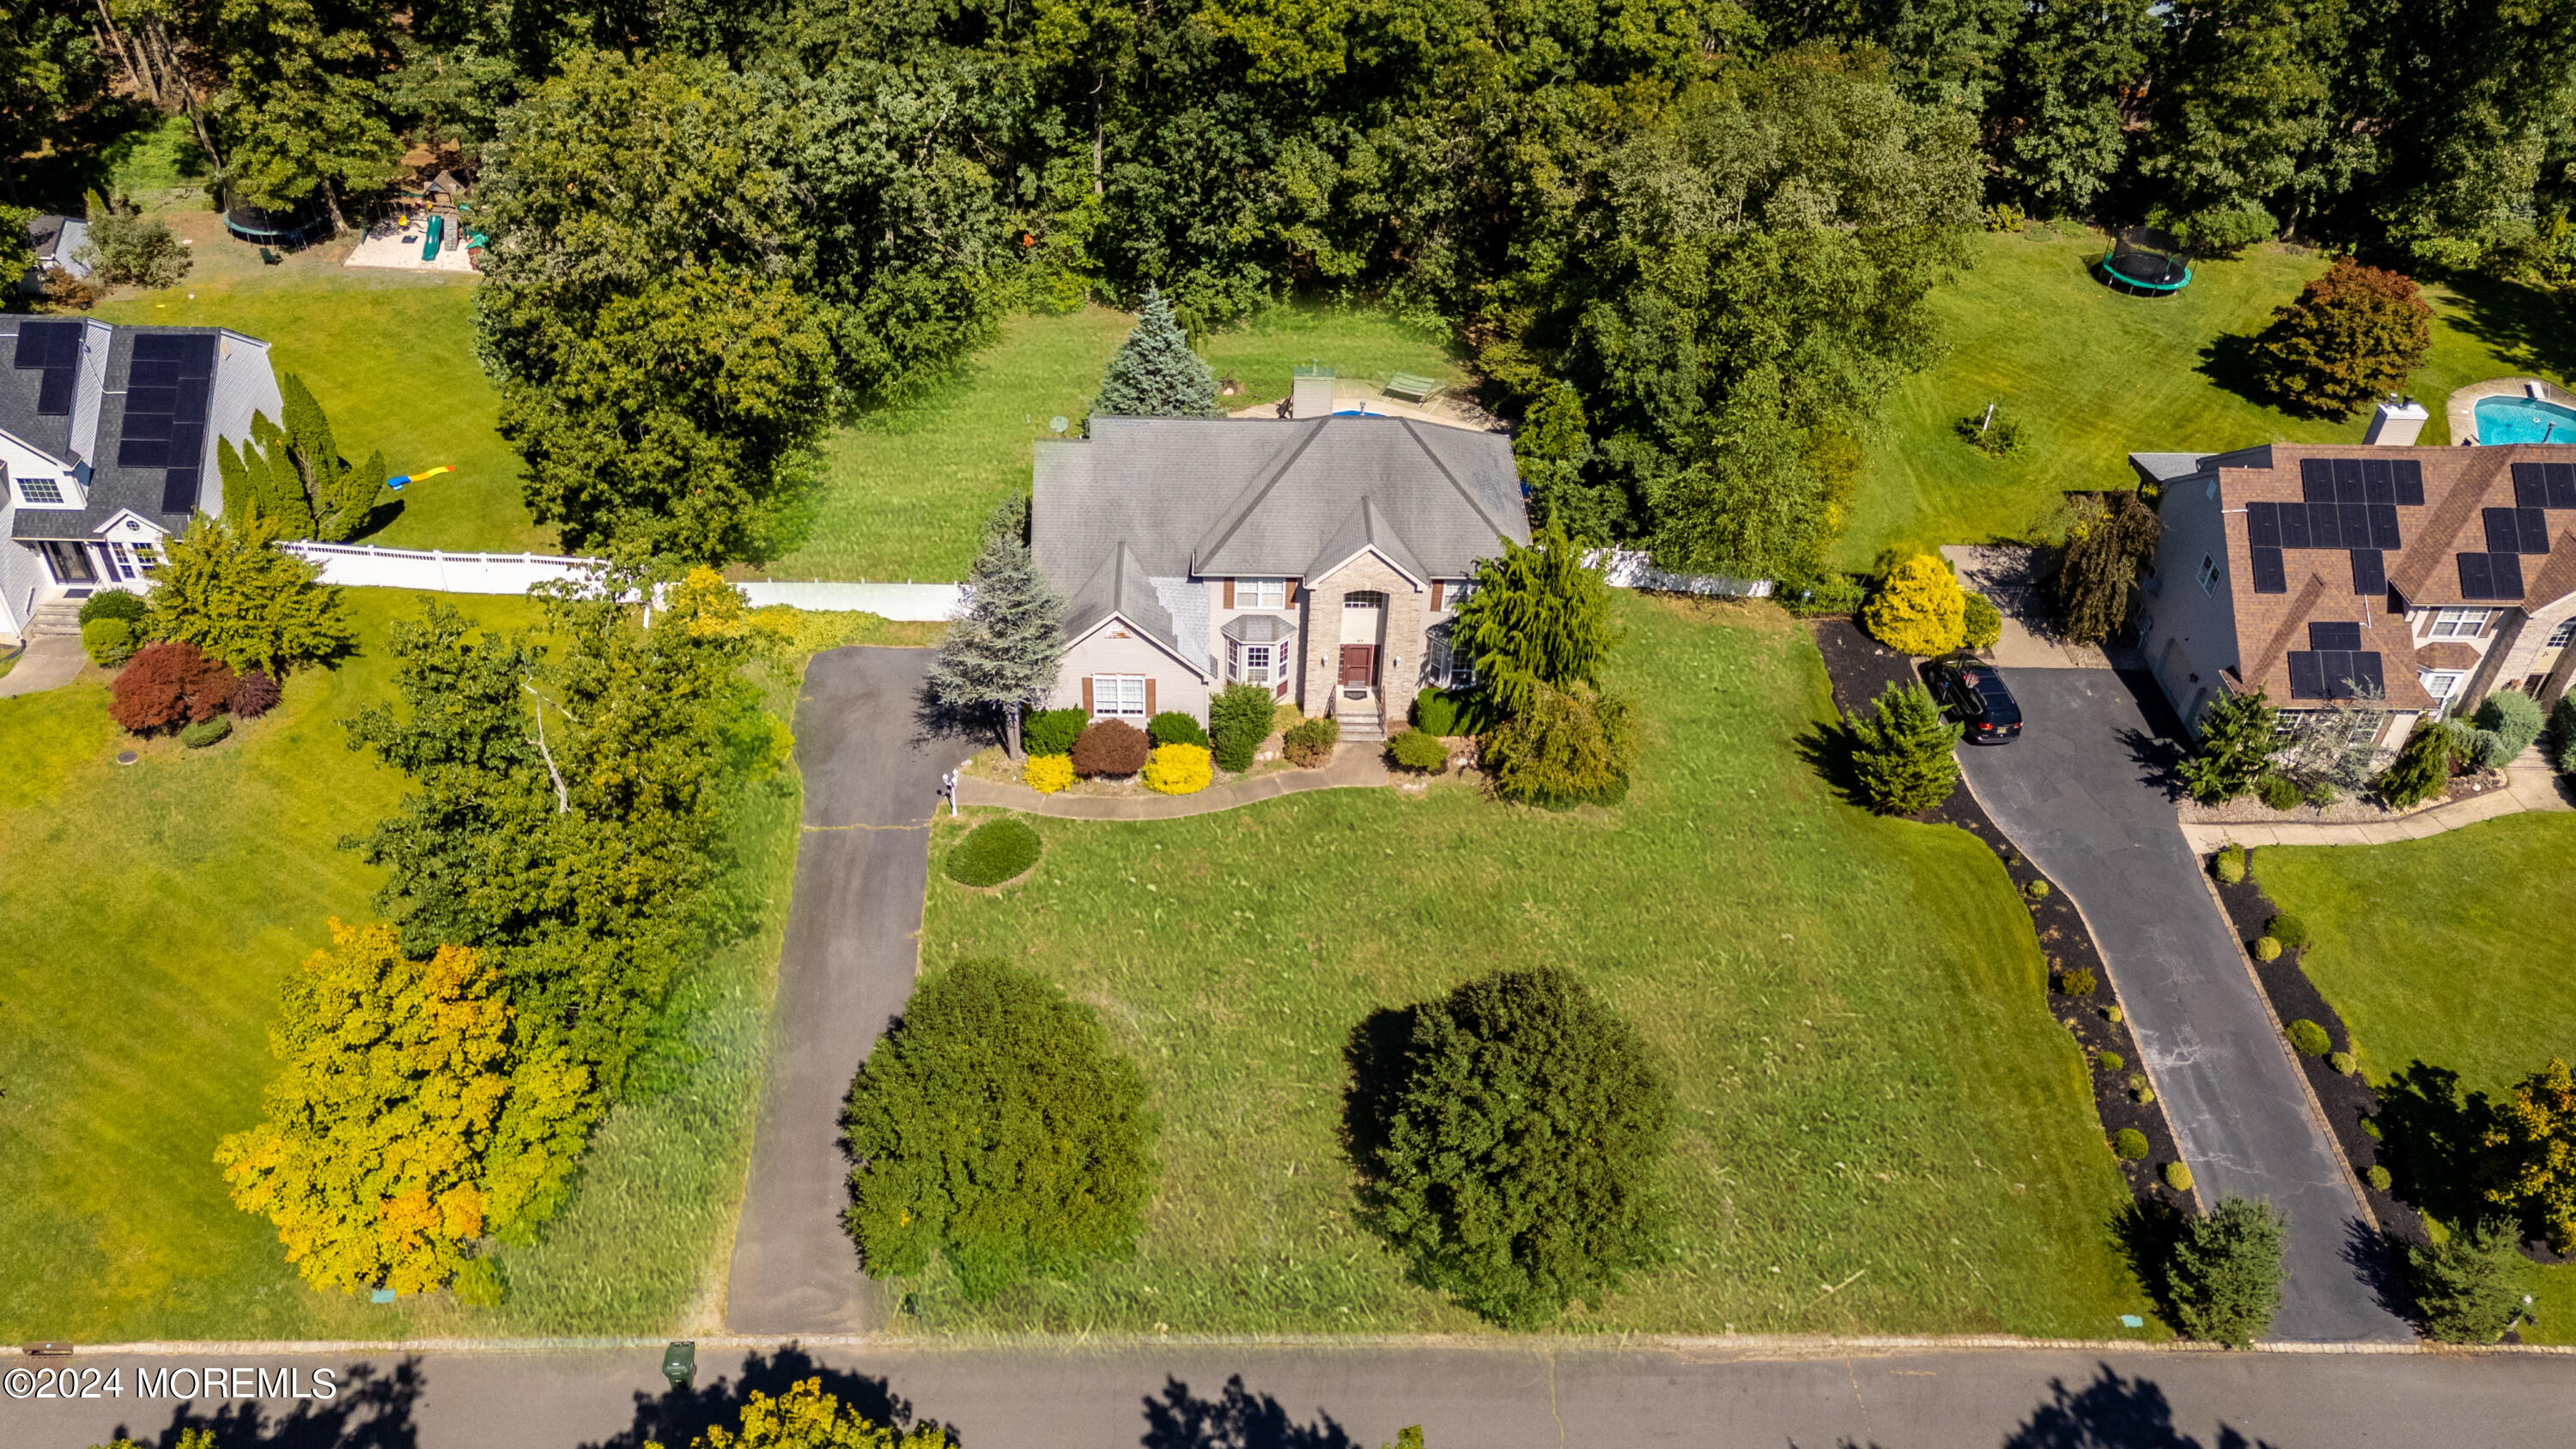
x=2142, y=273
x=274, y=228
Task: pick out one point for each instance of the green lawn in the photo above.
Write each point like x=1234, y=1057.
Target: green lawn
x=1881, y=1129
x=2447, y=952
x=162, y=903
x=2093, y=376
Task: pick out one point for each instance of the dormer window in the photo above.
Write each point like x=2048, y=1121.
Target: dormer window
x=40, y=490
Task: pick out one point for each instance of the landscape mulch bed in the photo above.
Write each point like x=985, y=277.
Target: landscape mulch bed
x=1860, y=668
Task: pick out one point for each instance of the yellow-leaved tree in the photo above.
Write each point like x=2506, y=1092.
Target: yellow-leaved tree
x=1918, y=608
x=409, y=1121
x=805, y=1417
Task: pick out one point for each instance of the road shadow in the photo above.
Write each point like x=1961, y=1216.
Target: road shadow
x=678, y=1417
x=2112, y=1412
x=373, y=1409
x=2379, y=1260
x=2158, y=750
x=1235, y=1419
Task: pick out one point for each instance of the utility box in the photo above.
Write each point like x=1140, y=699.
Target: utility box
x=680, y=1364
x=1310, y=391
x=2396, y=423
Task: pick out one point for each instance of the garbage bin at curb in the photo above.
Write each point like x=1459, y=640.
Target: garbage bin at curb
x=680, y=1364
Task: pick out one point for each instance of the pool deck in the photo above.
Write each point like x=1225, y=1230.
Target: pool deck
x=2462, y=411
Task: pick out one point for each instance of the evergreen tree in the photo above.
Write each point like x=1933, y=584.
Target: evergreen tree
x=2223, y=1274
x=995, y=1126
x=2422, y=768
x=1154, y=374
x=2352, y=337
x=2238, y=738
x=1539, y=617
x=295, y=474
x=1511, y=1152
x=1004, y=649
x=1901, y=752
x=225, y=589
x=2468, y=1287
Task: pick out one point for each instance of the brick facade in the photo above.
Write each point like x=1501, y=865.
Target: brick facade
x=1400, y=640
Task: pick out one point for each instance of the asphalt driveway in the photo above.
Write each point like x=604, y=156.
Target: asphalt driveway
x=2082, y=793
x=871, y=783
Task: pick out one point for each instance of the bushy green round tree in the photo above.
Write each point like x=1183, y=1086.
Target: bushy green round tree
x=1511, y=1154
x=2351, y=338
x=995, y=1126
x=2468, y=1287
x=1917, y=608
x=1901, y=752
x=2224, y=1273
x=2237, y=742
x=1154, y=374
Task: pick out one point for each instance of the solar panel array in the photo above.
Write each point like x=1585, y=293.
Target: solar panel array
x=166, y=386
x=55, y=349
x=2345, y=503
x=2335, y=666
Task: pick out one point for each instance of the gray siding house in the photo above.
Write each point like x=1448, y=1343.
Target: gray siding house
x=1320, y=558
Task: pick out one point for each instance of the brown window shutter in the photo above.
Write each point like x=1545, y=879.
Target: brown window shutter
x=1149, y=696
x=1291, y=596
x=1229, y=593
x=1436, y=588
x=1086, y=694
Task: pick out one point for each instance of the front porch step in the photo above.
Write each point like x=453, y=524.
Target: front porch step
x=59, y=617
x=1361, y=720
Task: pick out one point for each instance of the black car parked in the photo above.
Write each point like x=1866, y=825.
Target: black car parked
x=1972, y=692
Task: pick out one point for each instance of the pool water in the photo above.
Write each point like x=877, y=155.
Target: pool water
x=2504, y=420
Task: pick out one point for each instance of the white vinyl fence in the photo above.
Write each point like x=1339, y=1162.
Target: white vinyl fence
x=1630, y=568
x=438, y=571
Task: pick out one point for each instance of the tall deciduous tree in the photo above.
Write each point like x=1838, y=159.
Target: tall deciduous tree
x=2353, y=336
x=1540, y=617
x=2253, y=129
x=302, y=115
x=227, y=589
x=2535, y=1133
x=996, y=1127
x=1154, y=374
x=1004, y=649
x=1510, y=1149
x=2056, y=126
x=411, y=1118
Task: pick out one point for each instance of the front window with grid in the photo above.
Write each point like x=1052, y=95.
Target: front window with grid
x=2443, y=683
x=1251, y=663
x=1261, y=593
x=1118, y=695
x=1457, y=591
x=40, y=490
x=2459, y=623
x=2208, y=574
x=1447, y=666
x=2563, y=635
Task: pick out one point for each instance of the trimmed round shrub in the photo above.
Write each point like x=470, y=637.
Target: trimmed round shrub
x=1981, y=621
x=2230, y=865
x=2343, y=1063
x=113, y=604
x=2377, y=1176
x=108, y=642
x=206, y=732
x=993, y=852
x=2129, y=1144
x=1917, y=608
x=1418, y=750
x=1172, y=727
x=2178, y=1176
x=2514, y=718
x=1111, y=747
x=2267, y=948
x=2111, y=1014
x=2278, y=792
x=1309, y=743
x=2078, y=982
x=1047, y=774
x=2287, y=929
x=1449, y=713
x=169, y=684
x=2309, y=1039
x=2037, y=890
x=1179, y=769
x=1051, y=731
x=1238, y=721
x=255, y=693
x=2112, y=1062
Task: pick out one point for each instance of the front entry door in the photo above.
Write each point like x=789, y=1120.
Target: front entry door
x=69, y=562
x=1359, y=664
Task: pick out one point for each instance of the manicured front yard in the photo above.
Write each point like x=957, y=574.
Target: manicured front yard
x=157, y=906
x=1881, y=1127
x=2447, y=953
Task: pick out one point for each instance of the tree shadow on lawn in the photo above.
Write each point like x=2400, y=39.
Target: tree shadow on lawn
x=1375, y=1055
x=373, y=1409
x=2228, y=362
x=1235, y=1419
x=1826, y=747
x=2436, y=1142
x=2112, y=1412
x=2522, y=325
x=679, y=1416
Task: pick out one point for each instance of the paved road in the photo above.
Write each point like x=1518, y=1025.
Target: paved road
x=847, y=965
x=1358, y=1397
x=2081, y=793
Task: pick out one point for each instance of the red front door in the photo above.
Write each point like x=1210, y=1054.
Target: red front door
x=1359, y=663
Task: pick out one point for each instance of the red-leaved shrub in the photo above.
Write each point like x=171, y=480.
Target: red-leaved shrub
x=170, y=684
x=255, y=693
x=1111, y=747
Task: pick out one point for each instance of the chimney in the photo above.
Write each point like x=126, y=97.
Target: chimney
x=1310, y=391
x=2396, y=422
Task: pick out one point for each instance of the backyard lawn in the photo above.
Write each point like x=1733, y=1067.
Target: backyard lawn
x=2447, y=952
x=170, y=897
x=1881, y=1128
x=2092, y=376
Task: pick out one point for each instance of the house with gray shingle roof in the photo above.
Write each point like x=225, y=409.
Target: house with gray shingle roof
x=1320, y=558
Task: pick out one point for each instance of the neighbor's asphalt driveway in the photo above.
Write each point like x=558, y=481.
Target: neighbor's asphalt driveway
x=2081, y=793
x=871, y=782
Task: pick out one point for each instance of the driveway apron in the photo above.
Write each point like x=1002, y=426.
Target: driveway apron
x=845, y=969
x=2082, y=793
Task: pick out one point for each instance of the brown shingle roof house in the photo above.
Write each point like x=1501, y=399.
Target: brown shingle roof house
x=2424, y=578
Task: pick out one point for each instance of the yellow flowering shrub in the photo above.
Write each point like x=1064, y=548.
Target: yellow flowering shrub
x=1047, y=774
x=1178, y=769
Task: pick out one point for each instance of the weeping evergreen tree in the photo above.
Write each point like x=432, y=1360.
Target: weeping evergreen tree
x=1540, y=616
x=1154, y=374
x=295, y=474
x=1004, y=648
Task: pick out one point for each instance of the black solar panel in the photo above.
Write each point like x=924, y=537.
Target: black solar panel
x=53, y=350
x=2534, y=527
x=2263, y=525
x=2325, y=526
x=2366, y=672
x=2530, y=485
x=179, y=490
x=2502, y=534
x=2381, y=483
x=2477, y=576
x=2315, y=470
x=2348, y=484
x=2369, y=572
x=2383, y=526
x=2562, y=486
x=2410, y=481
x=2270, y=577
x=2508, y=575
x=2356, y=525
x=2294, y=525
x=167, y=379
x=2307, y=677
x=2336, y=667
x=2334, y=636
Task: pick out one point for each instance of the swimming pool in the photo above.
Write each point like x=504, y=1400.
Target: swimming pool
x=2504, y=420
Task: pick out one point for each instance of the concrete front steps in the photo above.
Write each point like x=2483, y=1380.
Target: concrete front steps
x=60, y=617
x=1363, y=720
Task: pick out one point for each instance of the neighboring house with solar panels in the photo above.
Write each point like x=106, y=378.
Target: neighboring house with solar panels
x=1322, y=558
x=2425, y=577
x=107, y=441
